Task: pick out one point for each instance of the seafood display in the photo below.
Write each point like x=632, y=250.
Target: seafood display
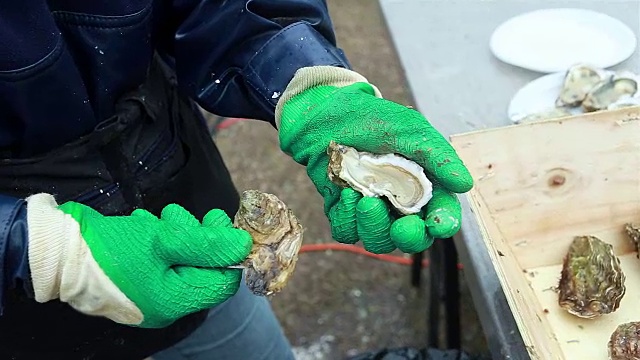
x=402, y=181
x=592, y=282
x=277, y=237
x=588, y=89
x=624, y=343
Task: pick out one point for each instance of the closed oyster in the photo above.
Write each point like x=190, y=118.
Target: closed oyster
x=277, y=238
x=592, y=281
x=610, y=91
x=578, y=81
x=633, y=231
x=402, y=181
x=624, y=343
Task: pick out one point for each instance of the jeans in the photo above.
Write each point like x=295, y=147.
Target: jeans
x=244, y=327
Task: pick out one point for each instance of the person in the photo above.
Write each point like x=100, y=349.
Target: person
x=115, y=203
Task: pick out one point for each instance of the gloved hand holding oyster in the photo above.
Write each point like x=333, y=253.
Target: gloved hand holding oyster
x=332, y=118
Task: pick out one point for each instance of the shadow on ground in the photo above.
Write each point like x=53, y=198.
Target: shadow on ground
x=340, y=304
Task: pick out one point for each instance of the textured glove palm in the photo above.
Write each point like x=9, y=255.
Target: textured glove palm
x=139, y=270
x=354, y=116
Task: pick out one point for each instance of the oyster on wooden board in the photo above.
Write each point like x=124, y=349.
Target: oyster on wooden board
x=611, y=91
x=592, y=282
x=402, y=181
x=277, y=237
x=578, y=82
x=633, y=231
x=624, y=343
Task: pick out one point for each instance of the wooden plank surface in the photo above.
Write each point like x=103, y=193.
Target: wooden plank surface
x=537, y=186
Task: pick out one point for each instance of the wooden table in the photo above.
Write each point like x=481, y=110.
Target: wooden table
x=459, y=86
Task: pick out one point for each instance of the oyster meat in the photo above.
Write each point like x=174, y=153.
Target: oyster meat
x=624, y=343
x=592, y=282
x=556, y=112
x=578, y=82
x=402, y=181
x=277, y=237
x=612, y=90
x=633, y=231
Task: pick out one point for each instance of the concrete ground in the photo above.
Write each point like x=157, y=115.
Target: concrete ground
x=340, y=304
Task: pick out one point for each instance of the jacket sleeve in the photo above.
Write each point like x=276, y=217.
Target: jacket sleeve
x=14, y=262
x=236, y=57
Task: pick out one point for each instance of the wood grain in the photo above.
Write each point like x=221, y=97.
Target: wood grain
x=537, y=186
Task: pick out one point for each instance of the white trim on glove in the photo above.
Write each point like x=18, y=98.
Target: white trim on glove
x=62, y=266
x=308, y=77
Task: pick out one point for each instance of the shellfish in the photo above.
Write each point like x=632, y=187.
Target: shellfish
x=402, y=181
x=277, y=237
x=612, y=90
x=633, y=231
x=624, y=343
x=578, y=82
x=592, y=282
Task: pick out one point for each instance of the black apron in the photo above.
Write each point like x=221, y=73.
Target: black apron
x=155, y=151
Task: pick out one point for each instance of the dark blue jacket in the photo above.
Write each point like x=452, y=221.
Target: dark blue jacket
x=63, y=63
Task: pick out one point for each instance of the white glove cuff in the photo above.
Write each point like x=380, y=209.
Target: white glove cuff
x=308, y=77
x=62, y=266
x=49, y=232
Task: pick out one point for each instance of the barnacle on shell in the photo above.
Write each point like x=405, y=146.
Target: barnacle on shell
x=592, y=280
x=624, y=343
x=402, y=181
x=277, y=237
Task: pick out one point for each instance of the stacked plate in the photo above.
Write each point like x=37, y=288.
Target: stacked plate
x=555, y=41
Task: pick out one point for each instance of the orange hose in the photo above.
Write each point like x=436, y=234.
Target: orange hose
x=361, y=251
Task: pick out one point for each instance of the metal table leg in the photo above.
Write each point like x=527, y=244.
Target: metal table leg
x=444, y=280
x=416, y=269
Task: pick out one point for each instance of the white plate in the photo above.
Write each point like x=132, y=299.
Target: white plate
x=552, y=40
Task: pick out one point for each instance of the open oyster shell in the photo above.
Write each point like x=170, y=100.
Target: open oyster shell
x=592, y=281
x=277, y=237
x=612, y=90
x=402, y=181
x=578, y=82
x=624, y=343
x=633, y=231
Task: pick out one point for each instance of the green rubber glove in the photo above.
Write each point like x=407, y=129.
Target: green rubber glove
x=139, y=270
x=354, y=116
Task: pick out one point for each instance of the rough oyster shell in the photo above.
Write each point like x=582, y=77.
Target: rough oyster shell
x=624, y=343
x=592, y=281
x=578, y=81
x=613, y=89
x=277, y=238
x=633, y=231
x=402, y=181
